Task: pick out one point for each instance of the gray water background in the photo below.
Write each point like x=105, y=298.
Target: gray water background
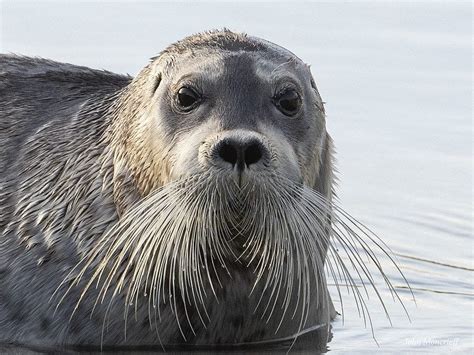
x=397, y=79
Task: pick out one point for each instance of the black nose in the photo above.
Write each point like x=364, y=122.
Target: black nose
x=241, y=153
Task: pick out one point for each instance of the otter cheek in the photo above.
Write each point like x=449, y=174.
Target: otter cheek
x=288, y=165
x=185, y=158
x=186, y=152
x=285, y=162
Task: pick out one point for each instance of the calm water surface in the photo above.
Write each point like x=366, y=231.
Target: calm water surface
x=397, y=79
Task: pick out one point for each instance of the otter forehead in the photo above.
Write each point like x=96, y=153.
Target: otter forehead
x=216, y=65
x=223, y=41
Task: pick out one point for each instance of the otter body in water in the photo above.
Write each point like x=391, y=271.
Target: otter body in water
x=189, y=205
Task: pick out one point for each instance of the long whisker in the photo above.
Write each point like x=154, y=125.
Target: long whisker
x=175, y=248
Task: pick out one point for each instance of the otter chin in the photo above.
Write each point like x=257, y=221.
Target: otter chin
x=190, y=205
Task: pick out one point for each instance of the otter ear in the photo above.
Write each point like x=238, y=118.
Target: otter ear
x=325, y=180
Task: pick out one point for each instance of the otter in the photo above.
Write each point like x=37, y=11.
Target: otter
x=191, y=205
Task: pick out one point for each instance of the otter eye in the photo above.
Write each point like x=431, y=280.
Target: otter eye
x=187, y=99
x=288, y=102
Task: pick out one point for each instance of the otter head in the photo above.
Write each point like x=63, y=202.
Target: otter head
x=242, y=107
x=222, y=142
x=230, y=104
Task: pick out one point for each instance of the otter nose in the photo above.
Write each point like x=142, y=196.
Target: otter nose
x=241, y=153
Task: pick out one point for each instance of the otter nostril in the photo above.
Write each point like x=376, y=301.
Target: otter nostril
x=241, y=153
x=253, y=153
x=228, y=153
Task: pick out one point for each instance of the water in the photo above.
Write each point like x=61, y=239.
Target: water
x=397, y=78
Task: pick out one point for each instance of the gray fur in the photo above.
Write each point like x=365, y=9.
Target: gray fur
x=86, y=154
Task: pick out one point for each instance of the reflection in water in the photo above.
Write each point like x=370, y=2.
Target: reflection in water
x=314, y=338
